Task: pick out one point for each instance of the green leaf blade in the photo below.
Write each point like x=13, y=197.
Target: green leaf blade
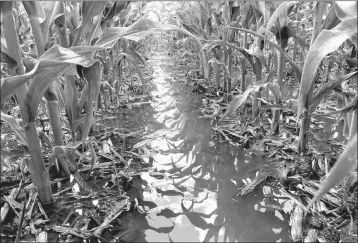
x=326, y=42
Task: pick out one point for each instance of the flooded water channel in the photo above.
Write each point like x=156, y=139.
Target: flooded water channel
x=189, y=195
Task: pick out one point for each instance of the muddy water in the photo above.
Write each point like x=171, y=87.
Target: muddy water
x=192, y=200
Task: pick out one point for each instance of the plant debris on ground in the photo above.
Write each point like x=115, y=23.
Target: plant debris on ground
x=79, y=115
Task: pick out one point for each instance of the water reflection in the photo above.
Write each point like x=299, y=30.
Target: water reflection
x=194, y=201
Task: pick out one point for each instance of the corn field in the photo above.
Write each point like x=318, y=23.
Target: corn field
x=199, y=121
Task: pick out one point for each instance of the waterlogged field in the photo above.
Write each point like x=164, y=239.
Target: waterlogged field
x=179, y=121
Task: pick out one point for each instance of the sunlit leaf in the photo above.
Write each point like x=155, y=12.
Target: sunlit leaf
x=240, y=99
x=105, y=146
x=236, y=103
x=279, y=215
x=288, y=206
x=192, y=29
x=326, y=42
x=141, y=29
x=52, y=63
x=264, y=12
x=137, y=31
x=345, y=9
x=257, y=52
x=346, y=163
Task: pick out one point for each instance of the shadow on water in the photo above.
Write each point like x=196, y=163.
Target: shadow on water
x=193, y=200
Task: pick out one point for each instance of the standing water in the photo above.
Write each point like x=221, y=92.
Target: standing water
x=190, y=193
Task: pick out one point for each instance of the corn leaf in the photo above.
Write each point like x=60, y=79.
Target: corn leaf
x=296, y=68
x=90, y=9
x=240, y=99
x=83, y=97
x=34, y=9
x=326, y=88
x=280, y=11
x=51, y=64
x=137, y=31
x=318, y=15
x=51, y=10
x=70, y=99
x=141, y=29
x=346, y=163
x=326, y=42
x=257, y=52
x=19, y=131
x=264, y=12
x=93, y=76
x=345, y=9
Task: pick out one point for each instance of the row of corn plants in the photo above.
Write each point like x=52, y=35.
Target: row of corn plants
x=262, y=37
x=68, y=53
x=64, y=44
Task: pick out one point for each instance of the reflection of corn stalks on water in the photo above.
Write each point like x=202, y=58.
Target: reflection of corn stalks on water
x=197, y=171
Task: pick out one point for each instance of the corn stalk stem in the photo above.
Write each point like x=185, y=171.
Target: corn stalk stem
x=39, y=173
x=303, y=137
x=305, y=125
x=243, y=65
x=218, y=76
x=255, y=103
x=294, y=54
x=54, y=114
x=354, y=125
x=50, y=96
x=275, y=127
x=40, y=177
x=306, y=119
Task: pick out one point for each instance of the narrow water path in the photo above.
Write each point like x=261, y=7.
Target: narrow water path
x=195, y=175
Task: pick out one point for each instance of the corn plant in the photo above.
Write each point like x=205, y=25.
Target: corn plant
x=35, y=84
x=324, y=41
x=63, y=60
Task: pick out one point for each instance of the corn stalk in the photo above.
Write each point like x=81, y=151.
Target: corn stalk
x=326, y=42
x=39, y=175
